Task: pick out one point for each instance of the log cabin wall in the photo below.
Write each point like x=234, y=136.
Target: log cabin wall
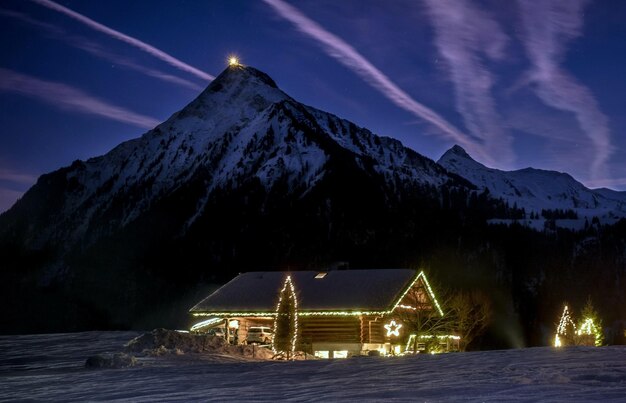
x=417, y=297
x=372, y=329
x=335, y=329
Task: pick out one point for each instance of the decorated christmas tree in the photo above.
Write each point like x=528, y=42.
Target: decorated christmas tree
x=590, y=326
x=286, y=322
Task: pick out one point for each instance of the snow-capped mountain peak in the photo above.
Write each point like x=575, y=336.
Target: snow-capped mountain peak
x=536, y=189
x=242, y=129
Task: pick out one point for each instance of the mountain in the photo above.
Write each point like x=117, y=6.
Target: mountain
x=245, y=178
x=242, y=178
x=242, y=129
x=535, y=190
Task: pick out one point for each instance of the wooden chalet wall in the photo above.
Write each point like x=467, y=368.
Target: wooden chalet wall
x=329, y=329
x=372, y=330
x=416, y=298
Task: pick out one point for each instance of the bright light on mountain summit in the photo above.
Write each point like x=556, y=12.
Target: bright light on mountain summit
x=233, y=61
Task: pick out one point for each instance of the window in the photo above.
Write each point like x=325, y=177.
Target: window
x=340, y=354
x=321, y=274
x=321, y=354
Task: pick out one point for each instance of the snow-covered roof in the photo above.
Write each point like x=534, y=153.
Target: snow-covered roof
x=338, y=290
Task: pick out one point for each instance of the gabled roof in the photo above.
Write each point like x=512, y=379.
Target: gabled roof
x=338, y=291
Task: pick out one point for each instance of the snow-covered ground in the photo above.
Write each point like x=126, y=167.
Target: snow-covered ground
x=51, y=367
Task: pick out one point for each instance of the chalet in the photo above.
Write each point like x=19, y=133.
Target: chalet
x=340, y=312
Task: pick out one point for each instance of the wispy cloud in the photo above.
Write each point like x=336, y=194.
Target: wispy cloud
x=17, y=177
x=548, y=26
x=97, y=50
x=351, y=58
x=464, y=36
x=126, y=38
x=69, y=98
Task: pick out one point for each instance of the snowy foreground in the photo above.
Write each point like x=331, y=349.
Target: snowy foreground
x=52, y=367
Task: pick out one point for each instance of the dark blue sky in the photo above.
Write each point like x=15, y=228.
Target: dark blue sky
x=516, y=83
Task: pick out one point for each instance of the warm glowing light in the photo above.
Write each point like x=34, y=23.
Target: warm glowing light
x=233, y=61
x=561, y=330
x=205, y=323
x=587, y=327
x=557, y=341
x=322, y=354
x=441, y=337
x=393, y=328
x=566, y=319
x=340, y=354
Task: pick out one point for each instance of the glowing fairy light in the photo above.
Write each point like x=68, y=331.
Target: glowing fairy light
x=393, y=328
x=589, y=328
x=430, y=292
x=566, y=319
x=356, y=312
x=561, y=330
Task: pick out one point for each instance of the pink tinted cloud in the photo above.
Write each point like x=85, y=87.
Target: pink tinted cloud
x=69, y=98
x=465, y=36
x=17, y=177
x=159, y=54
x=351, y=58
x=548, y=27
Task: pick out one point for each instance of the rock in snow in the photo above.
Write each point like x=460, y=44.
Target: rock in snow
x=163, y=341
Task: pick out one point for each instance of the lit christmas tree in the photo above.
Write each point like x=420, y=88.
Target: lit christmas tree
x=286, y=322
x=590, y=325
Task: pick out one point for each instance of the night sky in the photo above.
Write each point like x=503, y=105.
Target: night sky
x=516, y=83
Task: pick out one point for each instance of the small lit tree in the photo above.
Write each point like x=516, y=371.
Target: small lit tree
x=565, y=330
x=286, y=321
x=590, y=325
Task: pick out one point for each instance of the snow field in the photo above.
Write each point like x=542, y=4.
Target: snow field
x=51, y=368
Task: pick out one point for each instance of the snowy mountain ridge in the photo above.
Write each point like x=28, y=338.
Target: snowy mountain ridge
x=242, y=127
x=537, y=189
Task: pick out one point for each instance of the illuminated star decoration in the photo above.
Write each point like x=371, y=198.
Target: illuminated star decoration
x=393, y=328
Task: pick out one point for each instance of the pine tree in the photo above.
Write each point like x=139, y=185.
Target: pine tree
x=286, y=322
